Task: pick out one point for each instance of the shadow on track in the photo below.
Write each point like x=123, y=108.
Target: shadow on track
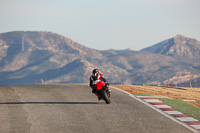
x=49, y=103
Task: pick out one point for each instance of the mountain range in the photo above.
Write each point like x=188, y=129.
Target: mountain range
x=31, y=57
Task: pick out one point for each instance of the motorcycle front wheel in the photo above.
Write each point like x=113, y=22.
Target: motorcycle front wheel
x=105, y=96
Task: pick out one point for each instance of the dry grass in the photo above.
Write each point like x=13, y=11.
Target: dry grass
x=173, y=92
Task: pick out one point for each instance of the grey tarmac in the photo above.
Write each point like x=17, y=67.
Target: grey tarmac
x=72, y=108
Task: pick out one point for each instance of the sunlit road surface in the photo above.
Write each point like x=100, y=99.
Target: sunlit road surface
x=73, y=108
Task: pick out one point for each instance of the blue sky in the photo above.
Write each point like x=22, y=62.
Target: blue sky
x=105, y=24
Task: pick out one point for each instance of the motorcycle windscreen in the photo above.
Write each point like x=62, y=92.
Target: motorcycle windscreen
x=99, y=85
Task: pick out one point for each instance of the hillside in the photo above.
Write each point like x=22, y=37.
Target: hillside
x=154, y=68
x=27, y=57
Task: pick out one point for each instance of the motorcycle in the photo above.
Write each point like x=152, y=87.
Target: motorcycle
x=103, y=91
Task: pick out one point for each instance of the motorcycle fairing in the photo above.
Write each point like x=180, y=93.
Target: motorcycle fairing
x=99, y=85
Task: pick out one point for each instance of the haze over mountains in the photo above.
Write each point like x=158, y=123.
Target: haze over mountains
x=27, y=57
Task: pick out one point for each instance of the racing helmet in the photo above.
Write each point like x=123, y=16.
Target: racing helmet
x=95, y=74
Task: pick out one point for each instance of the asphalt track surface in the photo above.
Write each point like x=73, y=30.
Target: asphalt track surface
x=73, y=108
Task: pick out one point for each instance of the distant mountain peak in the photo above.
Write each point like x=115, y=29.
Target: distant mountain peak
x=114, y=51
x=178, y=46
x=129, y=49
x=179, y=36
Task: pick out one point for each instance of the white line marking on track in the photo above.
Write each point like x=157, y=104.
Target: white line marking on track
x=152, y=101
x=187, y=119
x=196, y=126
x=173, y=112
x=143, y=96
x=161, y=106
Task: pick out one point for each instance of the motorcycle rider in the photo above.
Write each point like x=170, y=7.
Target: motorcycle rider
x=94, y=78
